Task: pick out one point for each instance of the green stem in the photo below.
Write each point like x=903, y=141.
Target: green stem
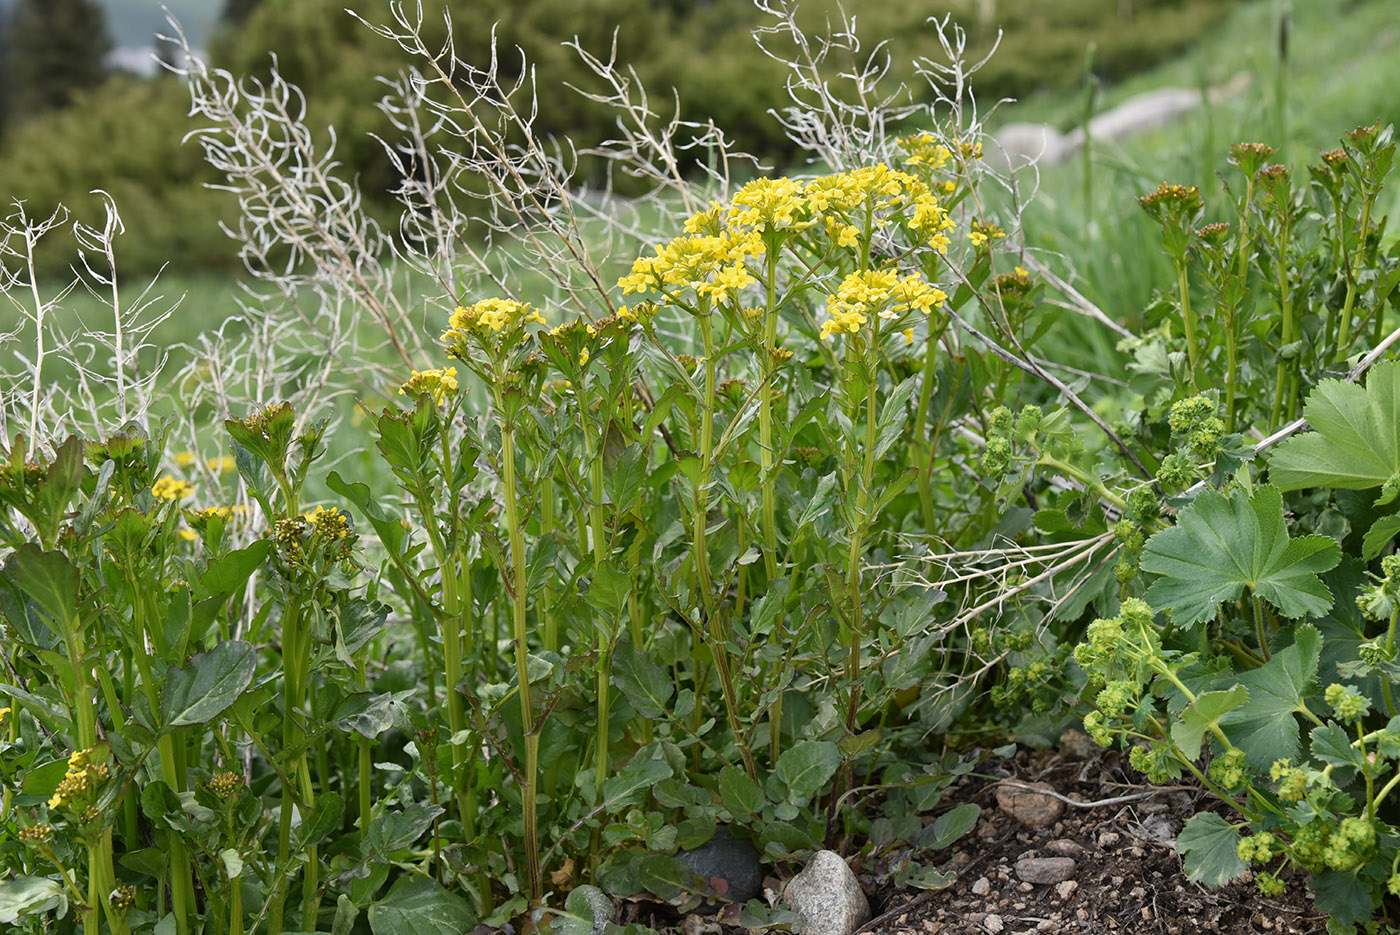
x=1390, y=650
x=1281, y=377
x=1093, y=484
x=700, y=558
x=530, y=776
x=1344, y=329
x=599, y=545
x=1188, y=319
x=550, y=634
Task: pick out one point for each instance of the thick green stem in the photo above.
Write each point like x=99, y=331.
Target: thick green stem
x=530, y=774
x=599, y=545
x=1344, y=328
x=856, y=550
x=700, y=558
x=1188, y=320
x=1282, y=377
x=550, y=626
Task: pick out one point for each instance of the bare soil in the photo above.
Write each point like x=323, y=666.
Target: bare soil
x=1128, y=876
x=1120, y=832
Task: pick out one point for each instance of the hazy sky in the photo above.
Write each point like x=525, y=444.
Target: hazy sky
x=134, y=21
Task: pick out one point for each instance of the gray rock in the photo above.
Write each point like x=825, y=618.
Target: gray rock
x=981, y=887
x=1028, y=803
x=1064, y=847
x=1045, y=870
x=1077, y=745
x=733, y=860
x=828, y=897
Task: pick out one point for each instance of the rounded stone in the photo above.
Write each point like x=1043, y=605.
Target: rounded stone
x=733, y=860
x=828, y=897
x=1029, y=804
x=1045, y=870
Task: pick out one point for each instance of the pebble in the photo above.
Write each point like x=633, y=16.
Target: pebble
x=1022, y=802
x=1045, y=870
x=1066, y=889
x=828, y=897
x=982, y=887
x=1077, y=745
x=992, y=923
x=1064, y=847
x=731, y=859
x=1109, y=839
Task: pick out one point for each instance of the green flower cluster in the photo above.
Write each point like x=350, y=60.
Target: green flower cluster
x=1347, y=703
x=1256, y=849
x=1229, y=769
x=1292, y=781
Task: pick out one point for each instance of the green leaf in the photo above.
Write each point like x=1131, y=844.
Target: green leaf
x=609, y=589
x=1355, y=442
x=365, y=713
x=664, y=876
x=646, y=685
x=1202, y=715
x=1221, y=546
x=1207, y=844
x=396, y=830
x=582, y=917
x=740, y=794
x=324, y=818
x=209, y=684
x=1379, y=536
x=1264, y=727
x=1332, y=744
x=805, y=768
x=628, y=786
x=24, y=896
x=419, y=905
x=50, y=581
x=228, y=574
x=894, y=414
x=1343, y=897
x=948, y=827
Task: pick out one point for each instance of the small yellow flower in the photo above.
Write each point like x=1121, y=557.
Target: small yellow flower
x=186, y=459
x=583, y=357
x=188, y=535
x=439, y=384
x=1021, y=272
x=222, y=465
x=168, y=488
x=330, y=523
x=4, y=713
x=908, y=335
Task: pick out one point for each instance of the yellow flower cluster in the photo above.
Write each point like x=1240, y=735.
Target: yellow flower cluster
x=924, y=149
x=439, y=384
x=488, y=315
x=222, y=465
x=4, y=713
x=329, y=523
x=82, y=777
x=714, y=266
x=711, y=259
x=168, y=488
x=771, y=204
x=984, y=232
x=883, y=293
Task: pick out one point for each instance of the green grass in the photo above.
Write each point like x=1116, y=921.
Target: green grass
x=1343, y=66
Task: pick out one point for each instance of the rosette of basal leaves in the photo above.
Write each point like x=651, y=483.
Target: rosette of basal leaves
x=1222, y=545
x=1354, y=445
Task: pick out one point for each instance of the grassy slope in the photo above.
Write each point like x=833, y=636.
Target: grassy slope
x=1343, y=66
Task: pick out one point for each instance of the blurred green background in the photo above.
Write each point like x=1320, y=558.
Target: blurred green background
x=69, y=125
